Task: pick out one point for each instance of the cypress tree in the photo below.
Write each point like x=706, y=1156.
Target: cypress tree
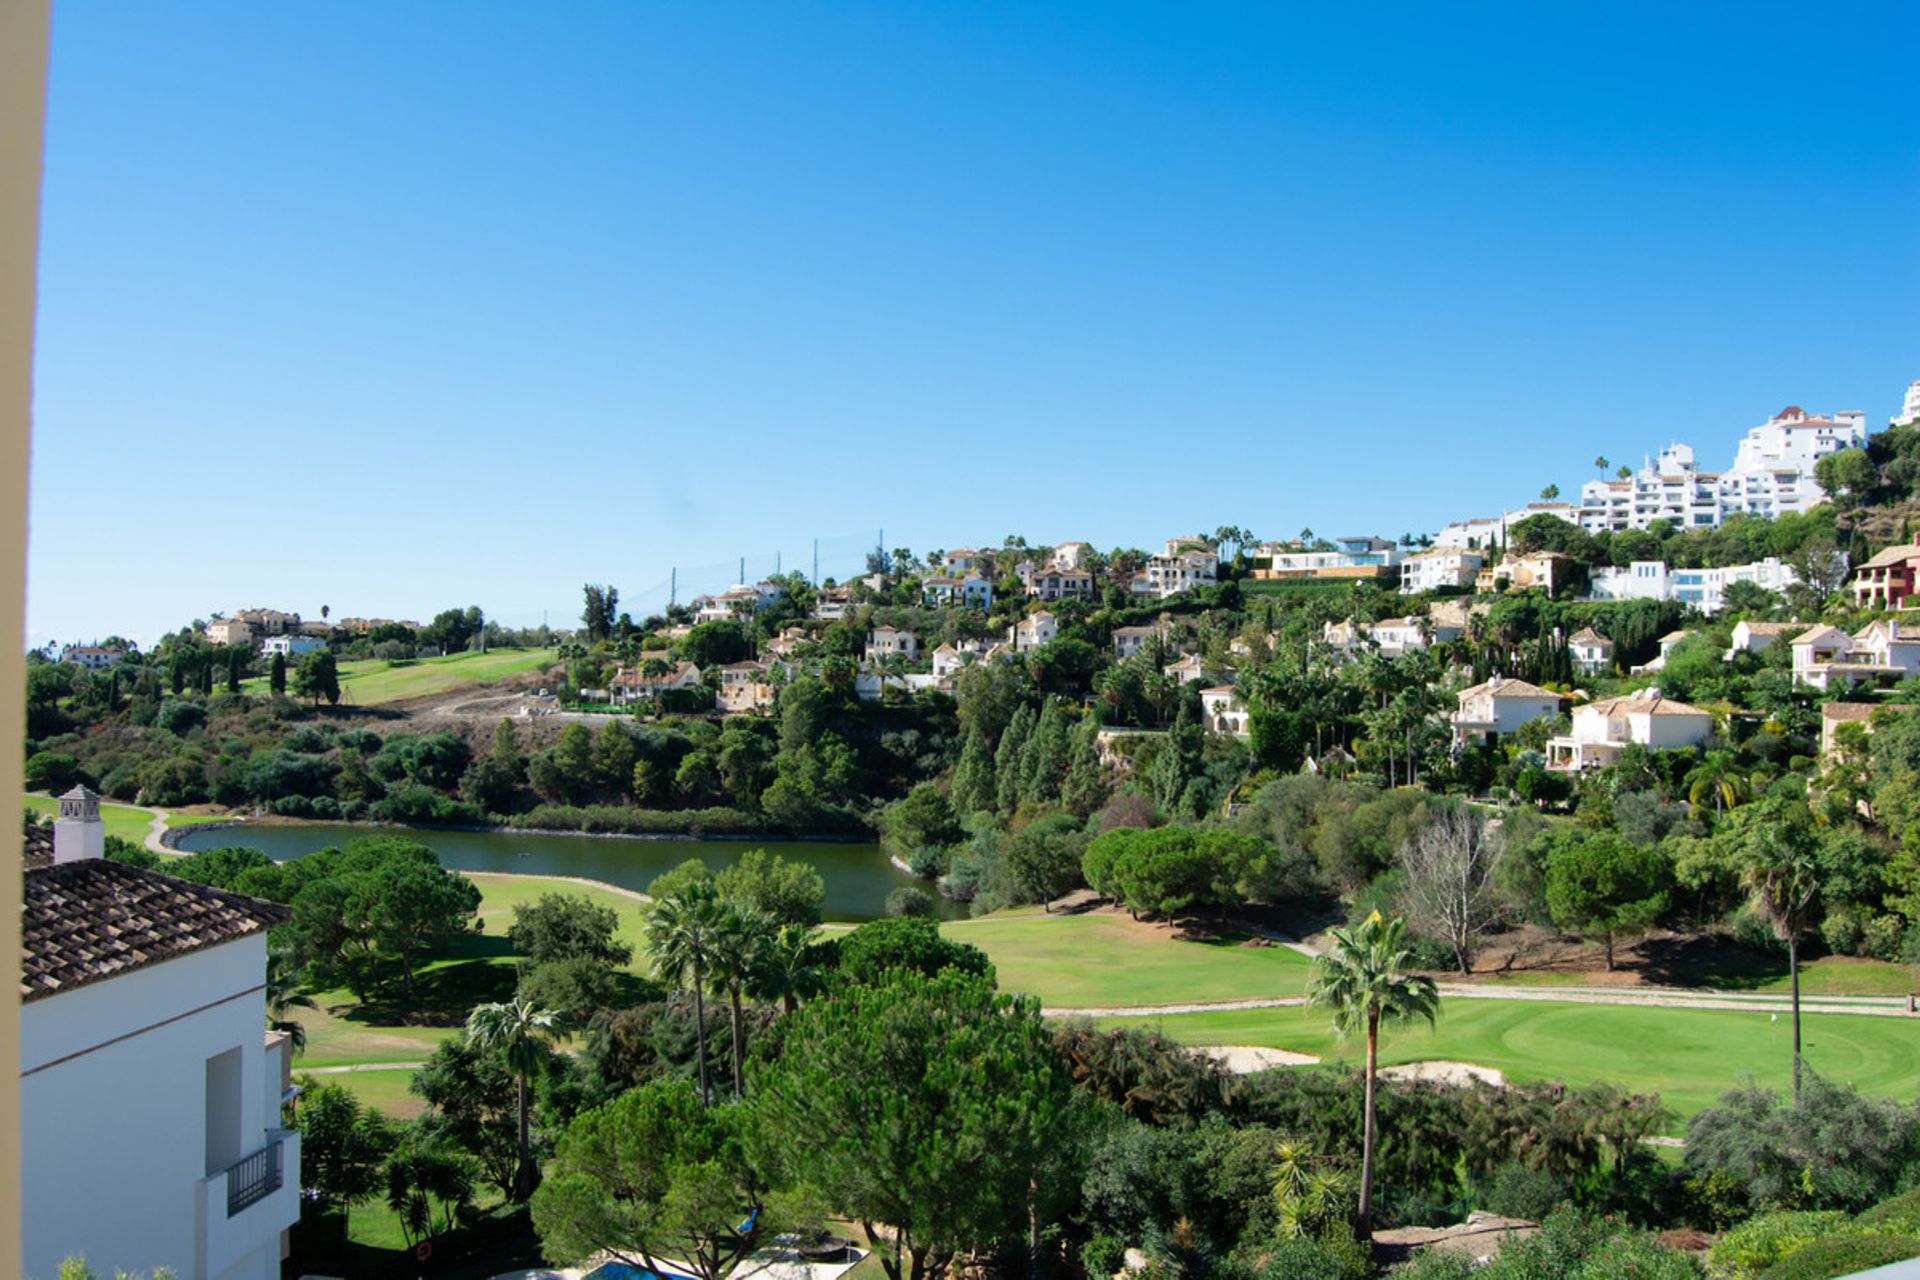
x=973, y=787
x=277, y=674
x=1084, y=789
x=1045, y=758
x=1008, y=759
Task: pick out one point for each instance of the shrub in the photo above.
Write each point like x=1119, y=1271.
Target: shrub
x=1844, y=1255
x=1756, y=1244
x=176, y=716
x=53, y=771
x=1299, y=1260
x=1834, y=1149
x=909, y=900
x=1103, y=1255
x=1901, y=1214
x=1520, y=1192
x=929, y=862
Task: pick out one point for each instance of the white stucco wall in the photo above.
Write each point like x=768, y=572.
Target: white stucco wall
x=113, y=1116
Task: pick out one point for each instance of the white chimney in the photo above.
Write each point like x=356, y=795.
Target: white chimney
x=78, y=833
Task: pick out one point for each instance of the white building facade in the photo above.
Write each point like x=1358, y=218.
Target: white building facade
x=1704, y=589
x=151, y=1093
x=1771, y=475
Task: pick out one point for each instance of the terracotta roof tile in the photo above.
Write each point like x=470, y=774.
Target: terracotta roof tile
x=89, y=920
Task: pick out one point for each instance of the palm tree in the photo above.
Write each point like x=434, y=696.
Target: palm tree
x=1718, y=775
x=682, y=932
x=744, y=931
x=789, y=969
x=283, y=993
x=1364, y=978
x=1601, y=464
x=522, y=1031
x=1782, y=876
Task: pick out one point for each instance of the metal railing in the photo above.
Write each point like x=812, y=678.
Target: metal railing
x=254, y=1178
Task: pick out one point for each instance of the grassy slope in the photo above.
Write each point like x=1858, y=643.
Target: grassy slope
x=1688, y=1056
x=375, y=680
x=1109, y=961
x=122, y=820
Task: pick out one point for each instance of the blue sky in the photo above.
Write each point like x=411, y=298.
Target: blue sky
x=395, y=307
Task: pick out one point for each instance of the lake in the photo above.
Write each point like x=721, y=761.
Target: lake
x=858, y=876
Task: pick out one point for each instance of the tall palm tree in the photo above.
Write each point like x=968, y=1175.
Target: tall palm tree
x=523, y=1032
x=789, y=969
x=1718, y=775
x=1782, y=876
x=744, y=931
x=1365, y=978
x=283, y=993
x=682, y=932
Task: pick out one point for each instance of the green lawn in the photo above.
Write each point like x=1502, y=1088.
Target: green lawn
x=384, y=1091
x=1823, y=976
x=1106, y=960
x=1688, y=1056
x=122, y=820
x=375, y=680
x=343, y=1031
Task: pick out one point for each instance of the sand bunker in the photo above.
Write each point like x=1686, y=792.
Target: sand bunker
x=1449, y=1072
x=1241, y=1059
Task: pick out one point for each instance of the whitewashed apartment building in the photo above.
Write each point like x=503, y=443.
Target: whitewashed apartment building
x=1771, y=475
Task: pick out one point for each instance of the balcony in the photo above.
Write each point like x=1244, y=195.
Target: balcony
x=256, y=1177
x=243, y=1208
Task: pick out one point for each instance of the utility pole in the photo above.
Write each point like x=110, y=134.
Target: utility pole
x=743, y=571
x=776, y=564
x=816, y=562
x=673, y=587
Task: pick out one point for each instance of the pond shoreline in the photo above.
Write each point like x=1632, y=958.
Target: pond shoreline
x=171, y=837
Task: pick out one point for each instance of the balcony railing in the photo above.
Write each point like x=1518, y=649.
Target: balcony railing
x=254, y=1178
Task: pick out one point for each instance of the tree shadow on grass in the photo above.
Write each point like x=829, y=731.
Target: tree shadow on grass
x=1705, y=962
x=442, y=996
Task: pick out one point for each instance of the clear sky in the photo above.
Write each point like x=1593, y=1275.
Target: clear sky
x=392, y=307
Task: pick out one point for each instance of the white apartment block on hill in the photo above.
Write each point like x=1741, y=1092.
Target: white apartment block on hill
x=1909, y=408
x=1356, y=557
x=150, y=1089
x=1771, y=475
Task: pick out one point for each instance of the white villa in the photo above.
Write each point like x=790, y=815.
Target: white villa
x=633, y=684
x=1590, y=650
x=1392, y=636
x=150, y=1090
x=1705, y=589
x=1128, y=641
x=1601, y=729
x=289, y=645
x=1771, y=475
x=885, y=642
x=830, y=604
x=969, y=590
x=1878, y=653
x=1491, y=711
x=1758, y=637
x=1223, y=711
x=1072, y=555
x=1035, y=630
x=1668, y=643
x=1185, y=564
x=1056, y=582
x=744, y=689
x=93, y=657
x=1186, y=670
x=1350, y=558
x=1440, y=566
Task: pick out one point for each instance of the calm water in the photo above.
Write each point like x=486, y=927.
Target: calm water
x=858, y=876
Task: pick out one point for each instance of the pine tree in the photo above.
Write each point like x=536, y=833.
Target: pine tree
x=1008, y=759
x=973, y=788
